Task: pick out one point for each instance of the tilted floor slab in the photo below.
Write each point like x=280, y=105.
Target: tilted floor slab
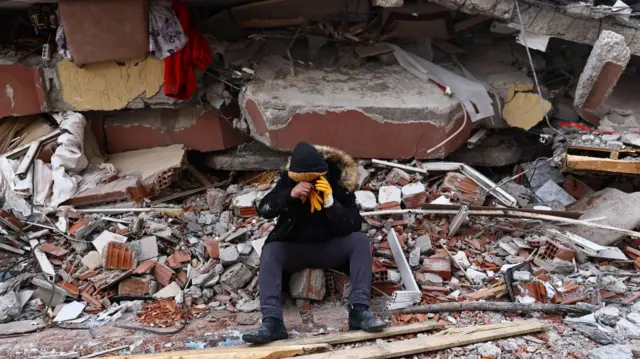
x=372, y=111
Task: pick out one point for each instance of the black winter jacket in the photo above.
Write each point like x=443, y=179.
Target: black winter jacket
x=296, y=223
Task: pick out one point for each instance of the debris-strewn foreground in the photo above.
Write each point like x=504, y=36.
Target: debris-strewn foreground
x=173, y=265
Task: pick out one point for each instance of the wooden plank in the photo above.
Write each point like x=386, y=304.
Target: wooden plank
x=275, y=352
x=487, y=293
x=359, y=336
x=573, y=162
x=446, y=339
x=352, y=337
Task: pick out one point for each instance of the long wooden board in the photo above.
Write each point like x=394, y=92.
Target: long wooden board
x=286, y=348
x=446, y=339
x=274, y=352
x=360, y=336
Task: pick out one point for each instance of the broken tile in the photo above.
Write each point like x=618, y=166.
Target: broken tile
x=163, y=273
x=53, y=250
x=70, y=311
x=118, y=256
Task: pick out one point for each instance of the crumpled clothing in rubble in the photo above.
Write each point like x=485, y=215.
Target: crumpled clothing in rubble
x=166, y=36
x=179, y=77
x=54, y=183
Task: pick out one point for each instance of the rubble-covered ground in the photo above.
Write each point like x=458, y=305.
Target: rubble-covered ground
x=132, y=279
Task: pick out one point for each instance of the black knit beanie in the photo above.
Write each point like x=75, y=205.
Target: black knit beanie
x=305, y=158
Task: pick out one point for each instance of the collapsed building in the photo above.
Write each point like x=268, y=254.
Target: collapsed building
x=281, y=72
x=113, y=111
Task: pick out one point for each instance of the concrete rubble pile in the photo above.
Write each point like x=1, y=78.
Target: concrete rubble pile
x=194, y=254
x=129, y=200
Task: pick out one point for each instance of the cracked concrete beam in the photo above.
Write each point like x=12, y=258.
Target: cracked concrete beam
x=574, y=27
x=392, y=113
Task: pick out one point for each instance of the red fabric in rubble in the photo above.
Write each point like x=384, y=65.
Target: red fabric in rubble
x=179, y=76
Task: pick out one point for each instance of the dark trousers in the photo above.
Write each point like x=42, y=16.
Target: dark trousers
x=354, y=250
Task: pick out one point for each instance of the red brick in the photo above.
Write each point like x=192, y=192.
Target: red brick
x=439, y=266
x=53, y=250
x=534, y=289
x=415, y=201
x=70, y=287
x=163, y=273
x=398, y=177
x=575, y=297
x=134, y=286
x=246, y=212
x=91, y=300
x=119, y=256
x=88, y=274
x=80, y=224
x=389, y=206
x=181, y=278
x=632, y=252
x=374, y=222
x=212, y=247
x=554, y=249
x=145, y=267
x=435, y=288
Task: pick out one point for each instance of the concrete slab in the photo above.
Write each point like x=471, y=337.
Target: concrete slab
x=198, y=129
x=618, y=207
x=390, y=109
x=607, y=61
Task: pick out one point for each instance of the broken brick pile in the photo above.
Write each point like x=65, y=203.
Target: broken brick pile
x=207, y=258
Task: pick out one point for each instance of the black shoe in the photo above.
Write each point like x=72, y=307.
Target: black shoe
x=362, y=319
x=270, y=330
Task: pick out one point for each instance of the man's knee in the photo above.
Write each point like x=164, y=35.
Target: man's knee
x=360, y=240
x=273, y=251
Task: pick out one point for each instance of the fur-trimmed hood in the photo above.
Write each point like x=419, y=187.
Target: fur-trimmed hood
x=347, y=165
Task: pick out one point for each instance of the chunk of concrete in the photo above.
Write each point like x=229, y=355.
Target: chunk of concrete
x=229, y=254
x=329, y=105
x=607, y=61
x=145, y=248
x=618, y=208
x=628, y=329
x=425, y=245
x=236, y=277
x=608, y=315
x=414, y=195
x=617, y=351
x=92, y=260
x=169, y=291
x=308, y=284
x=388, y=194
x=366, y=200
x=9, y=307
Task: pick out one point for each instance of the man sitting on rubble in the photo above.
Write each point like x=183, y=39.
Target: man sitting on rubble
x=318, y=227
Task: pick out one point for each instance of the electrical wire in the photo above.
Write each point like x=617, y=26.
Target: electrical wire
x=464, y=124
